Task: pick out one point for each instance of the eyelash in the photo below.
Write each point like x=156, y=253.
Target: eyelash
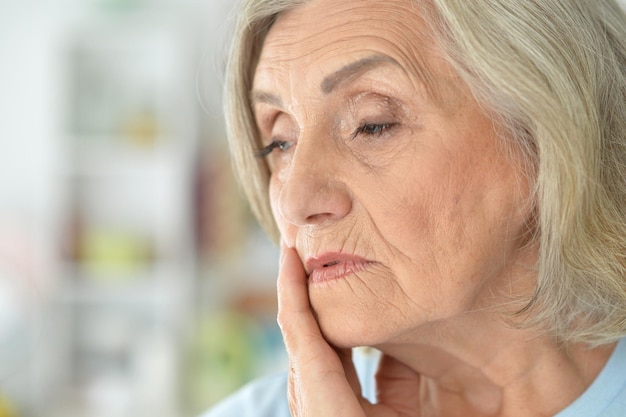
x=275, y=144
x=372, y=129
x=369, y=129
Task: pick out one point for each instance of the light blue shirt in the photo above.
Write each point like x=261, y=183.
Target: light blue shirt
x=606, y=396
x=267, y=397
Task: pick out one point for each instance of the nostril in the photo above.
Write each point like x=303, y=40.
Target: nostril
x=308, y=198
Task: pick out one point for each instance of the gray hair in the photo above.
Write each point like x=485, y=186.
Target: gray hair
x=552, y=75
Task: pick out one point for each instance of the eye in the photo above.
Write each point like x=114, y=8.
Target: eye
x=372, y=129
x=282, y=145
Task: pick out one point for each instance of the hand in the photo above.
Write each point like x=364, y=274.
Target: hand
x=322, y=379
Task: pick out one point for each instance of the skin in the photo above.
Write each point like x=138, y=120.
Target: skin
x=385, y=155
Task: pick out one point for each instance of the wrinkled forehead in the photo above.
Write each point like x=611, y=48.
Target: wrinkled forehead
x=324, y=35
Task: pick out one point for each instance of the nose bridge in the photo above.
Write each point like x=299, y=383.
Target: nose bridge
x=313, y=186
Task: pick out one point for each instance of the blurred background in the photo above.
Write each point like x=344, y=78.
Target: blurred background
x=133, y=281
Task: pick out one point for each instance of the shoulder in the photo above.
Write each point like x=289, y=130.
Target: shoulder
x=264, y=397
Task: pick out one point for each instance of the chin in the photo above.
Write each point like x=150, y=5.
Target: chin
x=356, y=331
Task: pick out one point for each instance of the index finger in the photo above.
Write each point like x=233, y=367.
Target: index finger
x=294, y=309
x=317, y=372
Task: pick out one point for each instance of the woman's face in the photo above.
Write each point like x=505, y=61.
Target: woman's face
x=386, y=176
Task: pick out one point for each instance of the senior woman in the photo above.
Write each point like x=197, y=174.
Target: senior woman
x=447, y=179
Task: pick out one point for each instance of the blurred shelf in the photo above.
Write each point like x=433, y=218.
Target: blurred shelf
x=129, y=143
x=142, y=286
x=106, y=159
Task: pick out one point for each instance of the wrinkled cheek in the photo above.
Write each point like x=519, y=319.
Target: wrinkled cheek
x=286, y=232
x=413, y=220
x=428, y=232
x=274, y=193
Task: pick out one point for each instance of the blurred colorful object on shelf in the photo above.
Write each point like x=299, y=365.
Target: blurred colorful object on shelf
x=224, y=353
x=114, y=253
x=142, y=129
x=6, y=408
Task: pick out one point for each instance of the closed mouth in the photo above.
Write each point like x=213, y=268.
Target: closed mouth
x=330, y=266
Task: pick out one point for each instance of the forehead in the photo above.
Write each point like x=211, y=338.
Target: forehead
x=324, y=35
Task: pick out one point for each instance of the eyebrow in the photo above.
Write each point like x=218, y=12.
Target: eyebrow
x=268, y=98
x=332, y=81
x=353, y=70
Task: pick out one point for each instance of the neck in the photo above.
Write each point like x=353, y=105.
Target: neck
x=478, y=363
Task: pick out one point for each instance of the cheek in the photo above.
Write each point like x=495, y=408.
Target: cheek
x=448, y=215
x=430, y=203
x=287, y=232
x=274, y=194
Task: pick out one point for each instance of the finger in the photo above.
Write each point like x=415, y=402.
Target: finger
x=294, y=310
x=398, y=386
x=303, y=338
x=318, y=384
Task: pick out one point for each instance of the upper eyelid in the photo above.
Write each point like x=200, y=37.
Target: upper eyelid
x=266, y=104
x=382, y=100
x=267, y=111
x=265, y=121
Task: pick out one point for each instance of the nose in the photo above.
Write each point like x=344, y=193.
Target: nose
x=313, y=189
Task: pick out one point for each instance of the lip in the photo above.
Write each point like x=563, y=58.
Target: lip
x=334, y=265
